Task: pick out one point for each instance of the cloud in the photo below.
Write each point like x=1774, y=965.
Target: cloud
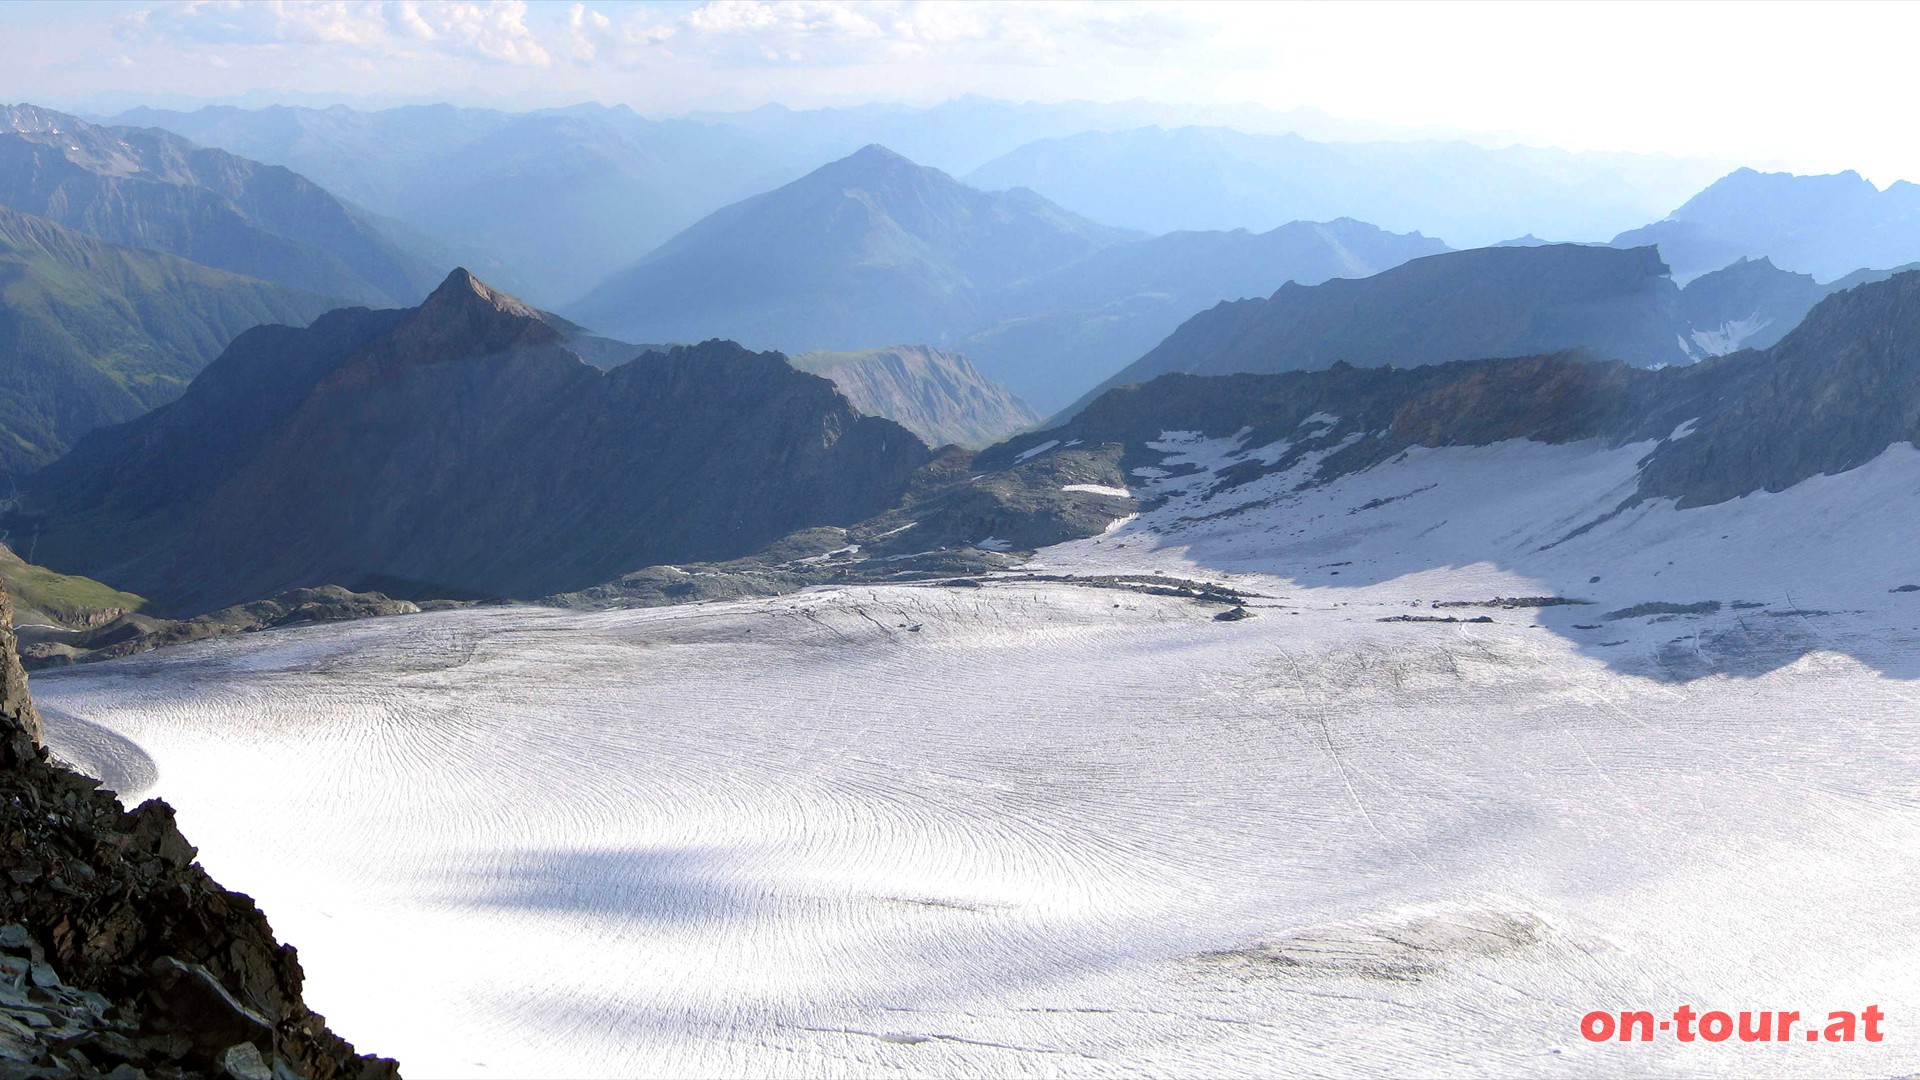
x=496, y=32
x=844, y=33
x=841, y=32
x=722, y=33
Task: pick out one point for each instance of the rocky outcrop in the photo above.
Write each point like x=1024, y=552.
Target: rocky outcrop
x=119, y=956
x=1829, y=397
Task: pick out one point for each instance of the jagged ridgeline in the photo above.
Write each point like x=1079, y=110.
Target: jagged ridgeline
x=117, y=952
x=456, y=450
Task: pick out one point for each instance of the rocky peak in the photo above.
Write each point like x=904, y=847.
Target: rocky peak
x=873, y=156
x=462, y=291
x=466, y=318
x=24, y=118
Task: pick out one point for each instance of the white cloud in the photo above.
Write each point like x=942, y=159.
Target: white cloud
x=492, y=31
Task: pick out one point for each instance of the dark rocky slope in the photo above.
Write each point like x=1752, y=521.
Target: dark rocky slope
x=150, y=189
x=117, y=952
x=1827, y=398
x=454, y=450
x=94, y=334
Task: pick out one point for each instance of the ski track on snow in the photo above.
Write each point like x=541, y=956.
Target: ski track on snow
x=1045, y=830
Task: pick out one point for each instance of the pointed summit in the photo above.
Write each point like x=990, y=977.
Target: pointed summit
x=467, y=317
x=462, y=289
x=865, y=249
x=875, y=154
x=874, y=163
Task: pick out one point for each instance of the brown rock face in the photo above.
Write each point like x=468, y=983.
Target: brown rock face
x=117, y=949
x=18, y=718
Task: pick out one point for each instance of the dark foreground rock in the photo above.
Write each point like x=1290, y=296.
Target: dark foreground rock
x=119, y=956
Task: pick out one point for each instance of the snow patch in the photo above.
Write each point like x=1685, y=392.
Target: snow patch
x=1099, y=489
x=1729, y=336
x=1035, y=451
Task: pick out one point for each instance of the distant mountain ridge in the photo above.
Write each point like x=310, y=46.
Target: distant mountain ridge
x=154, y=190
x=874, y=249
x=1067, y=329
x=564, y=197
x=94, y=334
x=455, y=449
x=1826, y=226
x=1162, y=179
x=1489, y=302
x=869, y=249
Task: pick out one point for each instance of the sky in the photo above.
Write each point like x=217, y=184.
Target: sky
x=1807, y=87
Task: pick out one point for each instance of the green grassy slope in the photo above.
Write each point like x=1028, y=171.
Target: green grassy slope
x=92, y=334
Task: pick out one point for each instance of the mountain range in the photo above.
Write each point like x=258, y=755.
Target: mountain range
x=867, y=250
x=1060, y=332
x=1826, y=226
x=874, y=248
x=1614, y=303
x=561, y=198
x=151, y=189
x=95, y=334
x=454, y=449
x=557, y=198
x=1160, y=179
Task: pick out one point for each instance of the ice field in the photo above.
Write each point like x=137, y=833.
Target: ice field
x=1043, y=828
